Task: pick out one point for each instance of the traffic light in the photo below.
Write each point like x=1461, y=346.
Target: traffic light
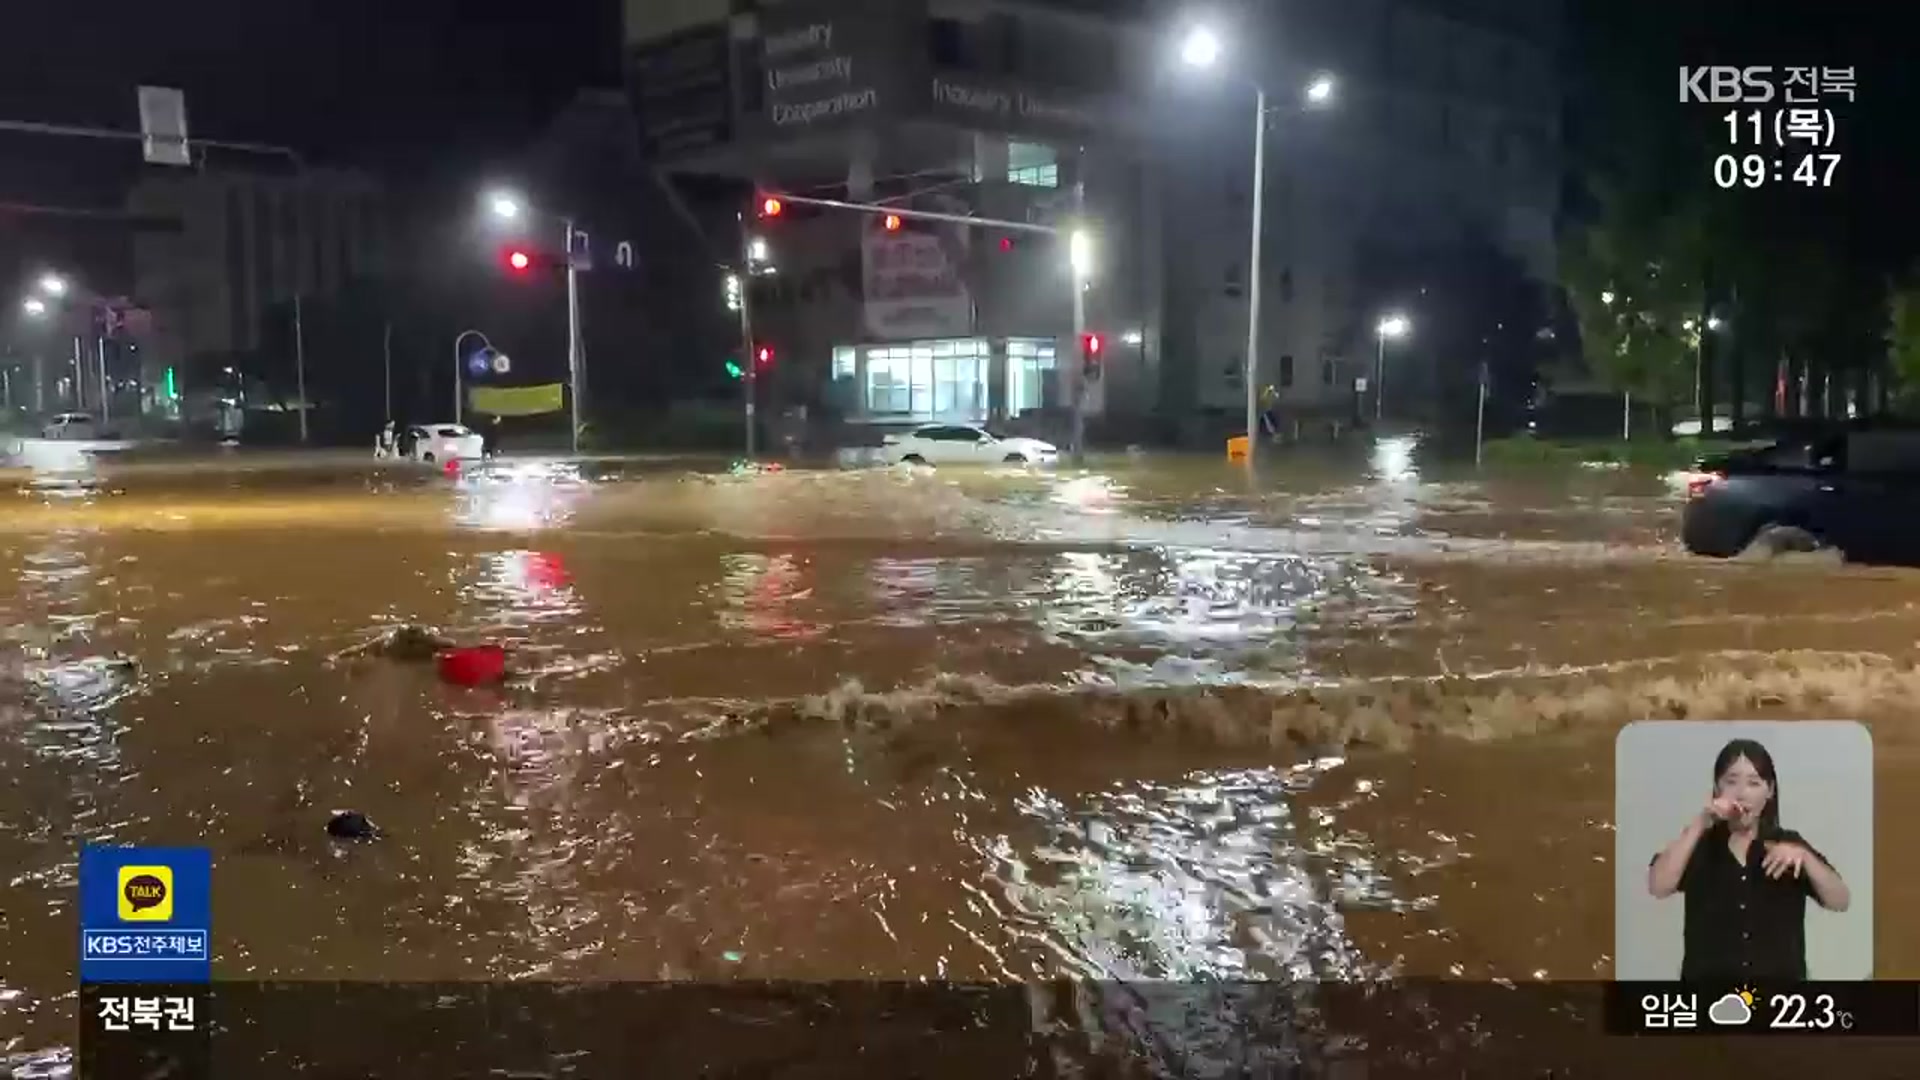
x=1090, y=347
x=772, y=207
x=892, y=222
x=763, y=358
x=1006, y=243
x=519, y=261
x=734, y=370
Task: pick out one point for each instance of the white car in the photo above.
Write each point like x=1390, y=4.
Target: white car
x=963, y=444
x=71, y=425
x=442, y=442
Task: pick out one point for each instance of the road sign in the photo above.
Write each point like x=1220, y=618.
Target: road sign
x=501, y=364
x=163, y=126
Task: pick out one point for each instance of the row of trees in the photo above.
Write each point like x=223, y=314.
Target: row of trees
x=1784, y=297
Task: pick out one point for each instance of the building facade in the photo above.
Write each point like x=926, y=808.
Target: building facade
x=240, y=248
x=998, y=112
x=1445, y=123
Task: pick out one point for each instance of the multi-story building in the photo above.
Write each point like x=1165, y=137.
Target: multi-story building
x=1445, y=122
x=238, y=248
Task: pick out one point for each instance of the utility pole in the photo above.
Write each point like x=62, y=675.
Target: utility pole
x=300, y=364
x=574, y=360
x=1076, y=274
x=1259, y=197
x=748, y=361
x=386, y=366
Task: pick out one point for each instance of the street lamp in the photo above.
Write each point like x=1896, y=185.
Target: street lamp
x=53, y=285
x=459, y=369
x=1392, y=326
x=34, y=306
x=507, y=206
x=1201, y=49
x=1080, y=255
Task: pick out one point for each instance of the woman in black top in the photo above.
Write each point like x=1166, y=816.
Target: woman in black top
x=1747, y=879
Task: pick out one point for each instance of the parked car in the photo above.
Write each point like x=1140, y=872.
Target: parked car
x=441, y=442
x=1855, y=489
x=71, y=425
x=961, y=444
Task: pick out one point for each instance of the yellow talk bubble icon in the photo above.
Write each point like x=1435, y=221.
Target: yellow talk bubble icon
x=146, y=893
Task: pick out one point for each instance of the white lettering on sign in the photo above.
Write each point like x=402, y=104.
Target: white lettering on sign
x=813, y=36
x=833, y=67
x=808, y=112
x=977, y=99
x=1006, y=103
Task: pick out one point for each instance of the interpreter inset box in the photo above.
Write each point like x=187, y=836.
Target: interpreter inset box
x=1743, y=851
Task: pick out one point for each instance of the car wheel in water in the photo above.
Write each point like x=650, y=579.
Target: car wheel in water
x=427, y=457
x=1015, y=459
x=913, y=459
x=1770, y=540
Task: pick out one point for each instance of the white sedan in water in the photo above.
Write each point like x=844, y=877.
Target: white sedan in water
x=963, y=444
x=442, y=442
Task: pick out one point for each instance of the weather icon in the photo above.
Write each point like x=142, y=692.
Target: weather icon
x=1733, y=1010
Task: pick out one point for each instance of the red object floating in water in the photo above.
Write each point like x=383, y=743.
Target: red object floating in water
x=473, y=665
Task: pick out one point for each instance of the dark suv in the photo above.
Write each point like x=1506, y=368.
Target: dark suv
x=1855, y=489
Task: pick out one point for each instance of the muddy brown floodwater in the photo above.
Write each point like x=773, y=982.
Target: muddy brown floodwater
x=1147, y=721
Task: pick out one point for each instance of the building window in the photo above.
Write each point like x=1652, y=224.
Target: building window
x=928, y=380
x=1030, y=364
x=1326, y=371
x=1235, y=280
x=1286, y=370
x=1032, y=164
x=843, y=362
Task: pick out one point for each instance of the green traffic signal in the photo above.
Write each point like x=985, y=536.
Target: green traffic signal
x=734, y=370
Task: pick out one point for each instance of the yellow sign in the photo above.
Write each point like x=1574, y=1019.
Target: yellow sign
x=146, y=893
x=518, y=400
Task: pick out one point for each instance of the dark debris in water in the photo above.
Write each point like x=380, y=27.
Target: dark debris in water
x=352, y=825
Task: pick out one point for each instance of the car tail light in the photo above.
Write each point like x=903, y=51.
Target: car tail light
x=1698, y=483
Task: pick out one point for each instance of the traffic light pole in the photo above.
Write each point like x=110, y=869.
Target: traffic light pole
x=1079, y=287
x=747, y=358
x=574, y=359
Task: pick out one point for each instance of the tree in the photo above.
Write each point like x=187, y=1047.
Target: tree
x=1903, y=336
x=1631, y=278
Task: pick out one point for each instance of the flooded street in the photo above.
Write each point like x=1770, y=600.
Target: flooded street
x=1143, y=721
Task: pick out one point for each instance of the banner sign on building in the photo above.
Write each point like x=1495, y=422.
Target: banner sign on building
x=914, y=277
x=824, y=63
x=518, y=400
x=146, y=914
x=682, y=93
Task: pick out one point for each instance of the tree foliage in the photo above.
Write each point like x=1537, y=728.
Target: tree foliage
x=1903, y=334
x=1632, y=280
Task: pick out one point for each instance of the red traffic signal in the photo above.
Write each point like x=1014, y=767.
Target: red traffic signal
x=763, y=357
x=1006, y=243
x=519, y=260
x=892, y=222
x=1090, y=345
x=771, y=207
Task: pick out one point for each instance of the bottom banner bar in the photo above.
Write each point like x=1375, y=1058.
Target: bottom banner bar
x=455, y=1031
x=146, y=1030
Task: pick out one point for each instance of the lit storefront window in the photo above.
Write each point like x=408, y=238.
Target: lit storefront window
x=927, y=380
x=1032, y=164
x=1029, y=366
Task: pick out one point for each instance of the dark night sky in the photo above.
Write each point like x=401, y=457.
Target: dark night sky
x=412, y=87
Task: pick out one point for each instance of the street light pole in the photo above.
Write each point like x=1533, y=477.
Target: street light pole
x=748, y=361
x=1253, y=270
x=1077, y=273
x=459, y=371
x=300, y=364
x=573, y=332
x=1379, y=376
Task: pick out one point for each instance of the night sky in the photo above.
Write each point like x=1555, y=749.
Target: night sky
x=418, y=89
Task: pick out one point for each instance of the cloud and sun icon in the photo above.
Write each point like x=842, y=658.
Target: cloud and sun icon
x=1733, y=1008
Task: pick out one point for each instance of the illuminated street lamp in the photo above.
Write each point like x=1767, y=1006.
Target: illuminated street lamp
x=34, y=306
x=508, y=206
x=1201, y=48
x=53, y=285
x=1080, y=255
x=1392, y=326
